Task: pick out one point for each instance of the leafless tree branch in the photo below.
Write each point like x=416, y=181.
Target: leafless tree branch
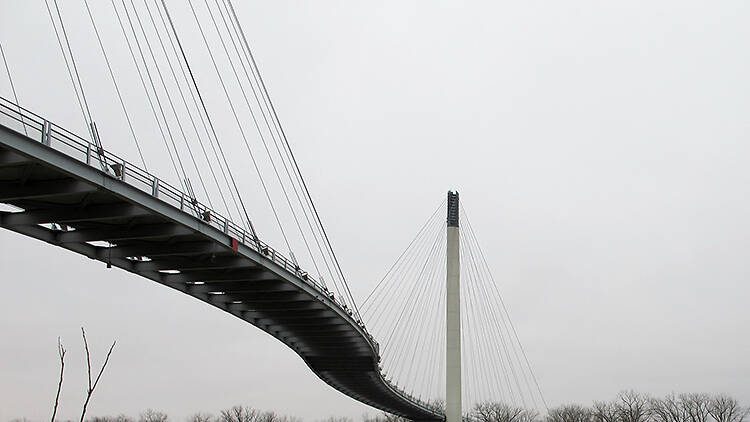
x=61, y=352
x=91, y=386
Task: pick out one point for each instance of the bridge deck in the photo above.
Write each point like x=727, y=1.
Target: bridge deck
x=126, y=217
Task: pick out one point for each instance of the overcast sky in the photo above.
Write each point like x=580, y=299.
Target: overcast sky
x=601, y=149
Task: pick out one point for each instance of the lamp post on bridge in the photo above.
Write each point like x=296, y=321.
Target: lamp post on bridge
x=453, y=315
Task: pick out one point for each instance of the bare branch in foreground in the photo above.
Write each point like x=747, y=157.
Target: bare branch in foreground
x=93, y=385
x=61, y=352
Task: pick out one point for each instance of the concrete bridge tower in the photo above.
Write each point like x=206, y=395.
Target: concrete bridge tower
x=453, y=315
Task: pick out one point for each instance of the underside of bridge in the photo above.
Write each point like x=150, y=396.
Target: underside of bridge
x=80, y=207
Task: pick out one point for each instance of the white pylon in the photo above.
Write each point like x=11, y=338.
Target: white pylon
x=453, y=315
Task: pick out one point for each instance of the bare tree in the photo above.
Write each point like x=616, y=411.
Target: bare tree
x=695, y=406
x=633, y=407
x=723, y=408
x=501, y=412
x=92, y=385
x=337, y=419
x=384, y=417
x=118, y=418
x=201, y=417
x=239, y=414
x=270, y=417
x=668, y=409
x=61, y=353
x=605, y=412
x=248, y=414
x=569, y=413
x=483, y=412
x=150, y=415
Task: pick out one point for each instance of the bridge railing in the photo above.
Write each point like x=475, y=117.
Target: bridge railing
x=36, y=127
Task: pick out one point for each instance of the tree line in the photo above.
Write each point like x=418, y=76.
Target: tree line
x=628, y=406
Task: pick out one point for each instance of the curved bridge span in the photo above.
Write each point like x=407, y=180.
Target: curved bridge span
x=71, y=194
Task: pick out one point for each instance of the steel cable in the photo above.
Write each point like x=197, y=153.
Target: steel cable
x=257, y=125
x=67, y=65
x=178, y=163
x=117, y=87
x=210, y=124
x=293, y=159
x=505, y=310
x=185, y=103
x=13, y=89
x=170, y=102
x=239, y=125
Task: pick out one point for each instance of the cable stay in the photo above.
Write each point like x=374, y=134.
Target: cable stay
x=75, y=79
x=146, y=91
x=187, y=106
x=13, y=89
x=268, y=109
x=117, y=88
x=260, y=131
x=171, y=104
x=254, y=97
x=493, y=284
x=239, y=125
x=77, y=86
x=98, y=144
x=406, y=312
x=204, y=110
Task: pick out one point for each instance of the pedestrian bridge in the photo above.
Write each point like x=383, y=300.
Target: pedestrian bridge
x=62, y=189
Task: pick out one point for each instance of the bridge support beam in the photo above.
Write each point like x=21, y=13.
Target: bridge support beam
x=453, y=315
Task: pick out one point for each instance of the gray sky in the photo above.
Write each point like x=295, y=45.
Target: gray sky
x=601, y=149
